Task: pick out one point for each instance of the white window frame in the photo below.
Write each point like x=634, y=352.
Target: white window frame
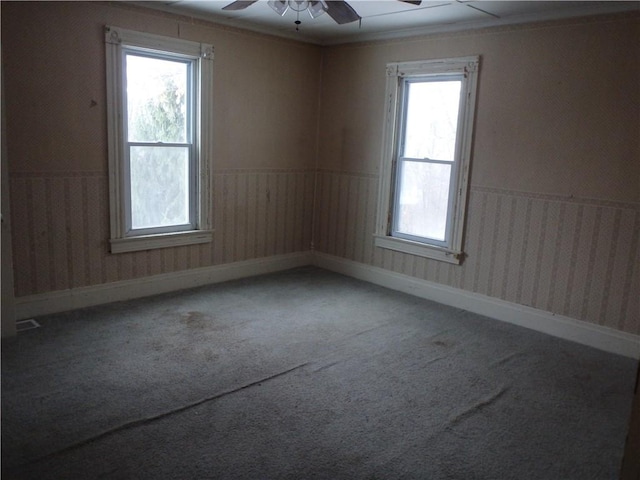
x=397, y=76
x=120, y=41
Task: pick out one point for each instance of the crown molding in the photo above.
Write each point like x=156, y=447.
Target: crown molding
x=585, y=13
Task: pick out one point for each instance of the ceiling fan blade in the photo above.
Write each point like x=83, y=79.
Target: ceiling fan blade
x=239, y=5
x=341, y=12
x=412, y=2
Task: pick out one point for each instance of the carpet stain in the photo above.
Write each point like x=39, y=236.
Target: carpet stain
x=583, y=377
x=444, y=343
x=194, y=319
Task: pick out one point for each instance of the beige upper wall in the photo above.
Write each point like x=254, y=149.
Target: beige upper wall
x=558, y=104
x=558, y=107
x=265, y=89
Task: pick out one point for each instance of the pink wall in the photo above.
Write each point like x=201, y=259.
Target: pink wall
x=265, y=94
x=553, y=219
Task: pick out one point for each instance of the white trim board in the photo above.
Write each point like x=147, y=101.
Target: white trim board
x=603, y=338
x=596, y=336
x=72, y=299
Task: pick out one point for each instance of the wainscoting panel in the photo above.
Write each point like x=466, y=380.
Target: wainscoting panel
x=61, y=228
x=568, y=256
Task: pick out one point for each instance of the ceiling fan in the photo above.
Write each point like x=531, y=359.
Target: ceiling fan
x=339, y=10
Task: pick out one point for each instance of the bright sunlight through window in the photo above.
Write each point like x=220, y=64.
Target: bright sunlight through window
x=427, y=149
x=159, y=114
x=159, y=117
x=425, y=168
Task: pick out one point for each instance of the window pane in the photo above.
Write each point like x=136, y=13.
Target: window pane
x=156, y=99
x=159, y=186
x=423, y=200
x=432, y=119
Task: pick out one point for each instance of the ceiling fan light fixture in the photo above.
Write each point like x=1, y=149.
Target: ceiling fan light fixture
x=317, y=8
x=298, y=5
x=279, y=6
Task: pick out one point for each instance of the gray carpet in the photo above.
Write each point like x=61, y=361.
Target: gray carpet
x=305, y=374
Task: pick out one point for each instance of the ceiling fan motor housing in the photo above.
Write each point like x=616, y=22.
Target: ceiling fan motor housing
x=338, y=10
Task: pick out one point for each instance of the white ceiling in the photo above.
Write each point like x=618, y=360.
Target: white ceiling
x=391, y=18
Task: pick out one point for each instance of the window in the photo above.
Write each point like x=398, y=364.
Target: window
x=159, y=110
x=426, y=156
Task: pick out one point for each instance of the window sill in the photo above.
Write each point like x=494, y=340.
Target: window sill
x=419, y=249
x=164, y=240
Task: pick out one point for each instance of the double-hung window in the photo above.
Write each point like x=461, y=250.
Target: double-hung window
x=159, y=109
x=426, y=156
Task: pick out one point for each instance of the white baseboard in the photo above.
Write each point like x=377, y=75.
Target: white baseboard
x=64, y=300
x=603, y=338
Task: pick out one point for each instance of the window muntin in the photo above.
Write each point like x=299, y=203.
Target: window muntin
x=159, y=120
x=426, y=157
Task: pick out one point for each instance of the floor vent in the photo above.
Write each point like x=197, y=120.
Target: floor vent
x=23, y=325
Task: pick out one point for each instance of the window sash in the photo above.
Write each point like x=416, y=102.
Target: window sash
x=191, y=99
x=406, y=83
x=402, y=160
x=192, y=185
x=395, y=227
